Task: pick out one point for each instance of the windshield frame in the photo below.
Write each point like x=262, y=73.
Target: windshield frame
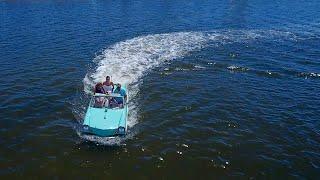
x=100, y=100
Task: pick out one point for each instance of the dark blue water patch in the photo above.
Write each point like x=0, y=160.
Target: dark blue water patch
x=258, y=105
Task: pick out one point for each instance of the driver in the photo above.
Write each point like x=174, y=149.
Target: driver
x=99, y=102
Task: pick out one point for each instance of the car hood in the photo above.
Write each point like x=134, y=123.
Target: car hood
x=101, y=118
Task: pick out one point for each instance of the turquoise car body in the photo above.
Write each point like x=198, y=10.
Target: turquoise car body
x=104, y=120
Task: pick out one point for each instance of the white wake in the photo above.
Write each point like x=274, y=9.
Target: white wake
x=128, y=61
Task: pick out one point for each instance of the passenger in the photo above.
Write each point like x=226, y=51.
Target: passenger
x=99, y=88
x=122, y=92
x=99, y=102
x=108, y=85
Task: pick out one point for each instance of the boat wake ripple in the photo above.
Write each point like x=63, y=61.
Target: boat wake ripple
x=128, y=61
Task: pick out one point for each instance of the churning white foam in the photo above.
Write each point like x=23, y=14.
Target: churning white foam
x=128, y=61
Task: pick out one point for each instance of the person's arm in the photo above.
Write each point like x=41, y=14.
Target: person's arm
x=112, y=87
x=102, y=90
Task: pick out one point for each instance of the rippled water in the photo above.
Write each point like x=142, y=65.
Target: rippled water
x=218, y=89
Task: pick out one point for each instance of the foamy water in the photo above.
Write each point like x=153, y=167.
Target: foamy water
x=128, y=61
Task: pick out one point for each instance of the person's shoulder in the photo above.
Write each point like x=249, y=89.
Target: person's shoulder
x=123, y=90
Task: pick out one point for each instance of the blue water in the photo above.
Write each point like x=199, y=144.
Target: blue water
x=218, y=89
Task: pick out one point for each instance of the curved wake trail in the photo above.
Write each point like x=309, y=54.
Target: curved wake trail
x=127, y=61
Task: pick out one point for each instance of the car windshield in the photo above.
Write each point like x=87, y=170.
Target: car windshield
x=109, y=102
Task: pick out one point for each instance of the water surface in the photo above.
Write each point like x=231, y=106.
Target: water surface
x=218, y=89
